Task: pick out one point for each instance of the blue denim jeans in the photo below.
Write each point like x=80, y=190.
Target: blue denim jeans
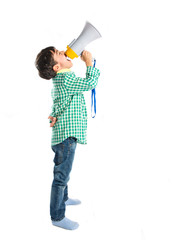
x=63, y=160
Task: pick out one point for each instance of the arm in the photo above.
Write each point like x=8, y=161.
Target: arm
x=76, y=85
x=58, y=110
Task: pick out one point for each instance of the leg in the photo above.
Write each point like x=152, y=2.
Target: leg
x=66, y=193
x=63, y=160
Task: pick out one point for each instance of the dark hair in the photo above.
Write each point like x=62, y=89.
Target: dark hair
x=45, y=62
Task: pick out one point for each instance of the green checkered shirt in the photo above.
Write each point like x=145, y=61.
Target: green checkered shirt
x=69, y=105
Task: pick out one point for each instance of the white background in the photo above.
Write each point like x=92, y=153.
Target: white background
x=127, y=177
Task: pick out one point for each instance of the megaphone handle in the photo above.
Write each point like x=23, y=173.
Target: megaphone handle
x=93, y=96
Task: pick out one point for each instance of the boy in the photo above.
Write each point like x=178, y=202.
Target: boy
x=68, y=121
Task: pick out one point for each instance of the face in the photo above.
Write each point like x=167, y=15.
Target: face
x=62, y=62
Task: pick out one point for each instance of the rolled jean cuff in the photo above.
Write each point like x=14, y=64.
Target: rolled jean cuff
x=57, y=220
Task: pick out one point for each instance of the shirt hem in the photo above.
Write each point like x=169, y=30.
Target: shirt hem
x=78, y=141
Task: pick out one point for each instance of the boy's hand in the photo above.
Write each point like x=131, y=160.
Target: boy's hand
x=53, y=120
x=87, y=58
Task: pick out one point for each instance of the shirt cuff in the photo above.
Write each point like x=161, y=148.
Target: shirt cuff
x=93, y=71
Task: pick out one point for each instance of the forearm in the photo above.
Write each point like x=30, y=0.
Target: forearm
x=92, y=75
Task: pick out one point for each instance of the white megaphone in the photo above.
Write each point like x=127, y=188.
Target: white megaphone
x=76, y=47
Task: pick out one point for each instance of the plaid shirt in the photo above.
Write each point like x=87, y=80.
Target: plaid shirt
x=69, y=104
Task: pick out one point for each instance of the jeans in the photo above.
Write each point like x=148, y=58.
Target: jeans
x=63, y=160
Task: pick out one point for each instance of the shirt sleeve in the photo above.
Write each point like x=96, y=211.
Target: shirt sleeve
x=58, y=109
x=53, y=113
x=76, y=85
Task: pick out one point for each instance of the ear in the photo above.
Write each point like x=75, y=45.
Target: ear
x=56, y=68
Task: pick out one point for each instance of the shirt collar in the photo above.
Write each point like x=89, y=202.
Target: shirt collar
x=64, y=70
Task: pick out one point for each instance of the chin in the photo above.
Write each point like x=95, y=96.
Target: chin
x=71, y=65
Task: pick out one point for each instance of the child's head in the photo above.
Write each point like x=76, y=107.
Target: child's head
x=49, y=61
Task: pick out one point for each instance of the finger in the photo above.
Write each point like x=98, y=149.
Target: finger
x=51, y=124
x=82, y=54
x=53, y=121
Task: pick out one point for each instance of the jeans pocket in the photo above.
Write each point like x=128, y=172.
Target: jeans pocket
x=72, y=142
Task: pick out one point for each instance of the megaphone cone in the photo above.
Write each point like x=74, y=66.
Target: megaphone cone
x=76, y=47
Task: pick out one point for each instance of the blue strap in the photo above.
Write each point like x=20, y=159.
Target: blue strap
x=94, y=62
x=93, y=98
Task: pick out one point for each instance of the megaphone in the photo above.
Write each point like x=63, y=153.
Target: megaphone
x=76, y=47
